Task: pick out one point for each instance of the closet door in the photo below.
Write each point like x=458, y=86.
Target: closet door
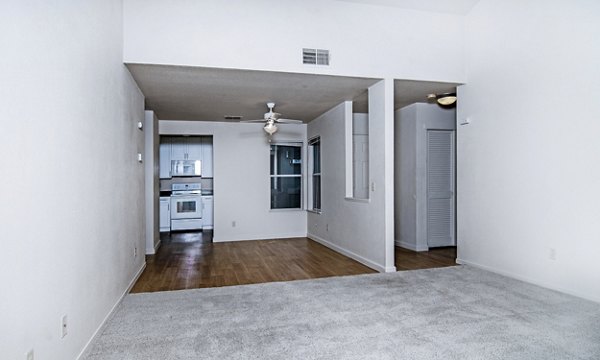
x=441, y=218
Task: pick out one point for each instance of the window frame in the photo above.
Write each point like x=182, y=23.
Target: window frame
x=311, y=179
x=299, y=145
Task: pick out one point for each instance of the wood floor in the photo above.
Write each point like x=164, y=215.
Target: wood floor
x=191, y=260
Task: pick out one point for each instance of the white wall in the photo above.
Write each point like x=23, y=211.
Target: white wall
x=412, y=123
x=151, y=181
x=528, y=175
x=364, y=40
x=72, y=189
x=361, y=229
x=241, y=179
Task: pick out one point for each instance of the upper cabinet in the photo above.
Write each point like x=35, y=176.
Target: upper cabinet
x=207, y=156
x=186, y=148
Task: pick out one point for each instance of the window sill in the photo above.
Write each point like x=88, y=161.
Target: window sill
x=314, y=211
x=286, y=210
x=351, y=199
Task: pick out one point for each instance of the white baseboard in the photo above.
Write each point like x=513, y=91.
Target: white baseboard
x=410, y=246
x=526, y=279
x=373, y=265
x=157, y=245
x=261, y=237
x=111, y=312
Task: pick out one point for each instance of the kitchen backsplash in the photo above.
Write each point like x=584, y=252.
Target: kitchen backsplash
x=165, y=184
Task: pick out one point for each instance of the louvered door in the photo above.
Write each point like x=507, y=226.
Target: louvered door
x=440, y=188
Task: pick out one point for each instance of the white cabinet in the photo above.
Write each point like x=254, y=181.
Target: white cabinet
x=186, y=148
x=194, y=148
x=207, y=156
x=164, y=158
x=207, y=212
x=165, y=214
x=178, y=148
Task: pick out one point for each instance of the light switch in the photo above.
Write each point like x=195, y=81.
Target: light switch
x=139, y=157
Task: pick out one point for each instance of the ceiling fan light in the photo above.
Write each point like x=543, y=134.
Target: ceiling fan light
x=446, y=99
x=270, y=127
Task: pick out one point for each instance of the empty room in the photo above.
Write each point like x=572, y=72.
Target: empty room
x=321, y=179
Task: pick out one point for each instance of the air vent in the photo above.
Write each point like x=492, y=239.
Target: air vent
x=315, y=56
x=233, y=117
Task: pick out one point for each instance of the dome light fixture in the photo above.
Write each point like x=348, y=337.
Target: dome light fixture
x=446, y=99
x=270, y=127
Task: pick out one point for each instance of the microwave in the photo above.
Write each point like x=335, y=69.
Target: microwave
x=186, y=168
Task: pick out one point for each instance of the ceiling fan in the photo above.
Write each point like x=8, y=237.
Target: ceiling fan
x=271, y=118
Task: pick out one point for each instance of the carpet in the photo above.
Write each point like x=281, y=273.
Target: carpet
x=448, y=313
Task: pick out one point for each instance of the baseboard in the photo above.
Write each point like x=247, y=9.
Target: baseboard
x=526, y=279
x=373, y=265
x=263, y=237
x=410, y=246
x=111, y=312
x=157, y=245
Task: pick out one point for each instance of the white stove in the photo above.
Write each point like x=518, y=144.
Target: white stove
x=186, y=206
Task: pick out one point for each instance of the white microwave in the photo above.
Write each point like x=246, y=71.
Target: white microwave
x=186, y=168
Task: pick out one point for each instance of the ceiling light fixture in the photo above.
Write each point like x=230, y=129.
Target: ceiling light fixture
x=270, y=127
x=446, y=99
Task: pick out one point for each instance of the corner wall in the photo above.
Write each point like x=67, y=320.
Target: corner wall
x=72, y=204
x=360, y=229
x=241, y=185
x=151, y=175
x=528, y=175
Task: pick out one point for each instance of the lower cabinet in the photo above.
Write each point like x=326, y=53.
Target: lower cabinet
x=207, y=212
x=165, y=214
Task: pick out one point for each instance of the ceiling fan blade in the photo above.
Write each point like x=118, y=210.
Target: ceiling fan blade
x=289, y=121
x=252, y=121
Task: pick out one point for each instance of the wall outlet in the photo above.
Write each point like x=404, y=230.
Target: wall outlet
x=233, y=223
x=373, y=186
x=552, y=254
x=327, y=227
x=135, y=251
x=63, y=326
x=29, y=355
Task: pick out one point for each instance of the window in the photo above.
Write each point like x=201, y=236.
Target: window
x=286, y=176
x=315, y=179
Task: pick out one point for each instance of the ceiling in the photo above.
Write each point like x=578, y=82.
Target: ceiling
x=209, y=94
x=457, y=7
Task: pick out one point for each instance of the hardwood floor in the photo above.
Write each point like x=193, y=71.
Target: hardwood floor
x=434, y=258
x=191, y=260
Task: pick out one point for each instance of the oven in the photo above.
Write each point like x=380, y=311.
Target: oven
x=186, y=206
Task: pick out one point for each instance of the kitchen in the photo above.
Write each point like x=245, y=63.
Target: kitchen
x=186, y=183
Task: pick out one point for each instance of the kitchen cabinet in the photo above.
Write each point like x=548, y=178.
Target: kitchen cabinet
x=207, y=156
x=165, y=214
x=186, y=148
x=164, y=158
x=207, y=212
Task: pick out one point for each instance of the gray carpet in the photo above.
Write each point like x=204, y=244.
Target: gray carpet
x=449, y=313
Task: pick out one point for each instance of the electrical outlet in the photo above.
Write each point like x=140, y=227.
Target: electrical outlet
x=552, y=254
x=233, y=223
x=30, y=355
x=63, y=326
x=135, y=251
x=327, y=227
x=373, y=186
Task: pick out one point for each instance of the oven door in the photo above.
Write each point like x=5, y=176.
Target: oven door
x=186, y=207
